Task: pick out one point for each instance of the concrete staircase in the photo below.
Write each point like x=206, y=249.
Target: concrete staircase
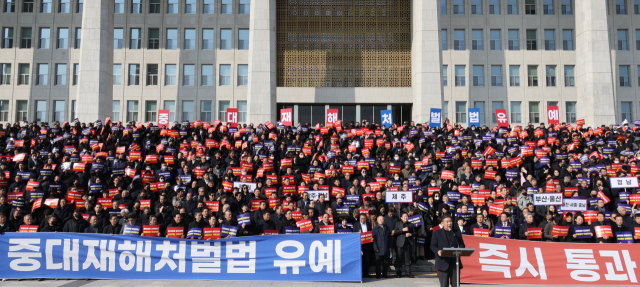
x=421, y=267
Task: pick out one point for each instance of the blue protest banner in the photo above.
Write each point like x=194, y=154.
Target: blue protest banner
x=435, y=118
x=474, y=117
x=313, y=257
x=387, y=118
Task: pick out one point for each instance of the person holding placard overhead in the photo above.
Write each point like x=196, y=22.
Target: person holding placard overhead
x=447, y=237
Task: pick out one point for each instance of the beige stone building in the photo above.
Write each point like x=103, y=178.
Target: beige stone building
x=127, y=59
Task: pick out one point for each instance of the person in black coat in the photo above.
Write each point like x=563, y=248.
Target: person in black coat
x=288, y=221
x=63, y=211
x=447, y=237
x=579, y=222
x=367, y=249
x=528, y=223
x=5, y=226
x=265, y=224
x=635, y=224
x=479, y=224
x=94, y=227
x=405, y=233
x=52, y=225
x=504, y=222
x=77, y=224
x=114, y=227
x=464, y=229
x=601, y=222
x=382, y=246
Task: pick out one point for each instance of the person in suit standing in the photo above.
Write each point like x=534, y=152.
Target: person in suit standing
x=405, y=234
x=367, y=249
x=382, y=246
x=447, y=237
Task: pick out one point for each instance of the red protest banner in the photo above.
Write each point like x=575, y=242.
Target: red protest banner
x=603, y=231
x=546, y=263
x=211, y=233
x=28, y=228
x=534, y=233
x=366, y=237
x=326, y=229
x=304, y=225
x=560, y=230
x=175, y=232
x=481, y=232
x=151, y=230
x=501, y=116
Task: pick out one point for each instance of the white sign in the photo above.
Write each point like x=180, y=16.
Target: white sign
x=251, y=185
x=399, y=197
x=571, y=204
x=315, y=194
x=624, y=182
x=547, y=199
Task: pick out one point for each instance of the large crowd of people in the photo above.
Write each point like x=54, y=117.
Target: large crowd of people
x=115, y=178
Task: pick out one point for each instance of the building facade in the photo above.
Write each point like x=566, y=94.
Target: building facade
x=127, y=59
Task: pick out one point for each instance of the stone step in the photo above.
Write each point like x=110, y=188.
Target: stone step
x=421, y=266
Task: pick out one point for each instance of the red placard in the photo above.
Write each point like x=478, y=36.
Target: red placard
x=477, y=199
x=490, y=174
x=273, y=202
x=481, y=232
x=560, y=230
x=447, y=174
x=496, y=209
x=304, y=225
x=211, y=233
x=28, y=228
x=366, y=237
x=501, y=117
x=634, y=199
x=151, y=230
x=590, y=216
x=603, y=230
x=553, y=115
x=232, y=117
x=213, y=206
x=286, y=117
x=602, y=196
x=332, y=116
x=551, y=263
x=297, y=215
x=163, y=118
x=255, y=204
x=534, y=233
x=364, y=211
x=636, y=231
x=326, y=229
x=175, y=232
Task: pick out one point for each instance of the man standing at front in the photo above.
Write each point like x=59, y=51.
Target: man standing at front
x=405, y=234
x=446, y=238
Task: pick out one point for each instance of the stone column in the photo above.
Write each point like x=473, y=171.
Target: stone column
x=426, y=59
x=95, y=84
x=261, y=92
x=594, y=78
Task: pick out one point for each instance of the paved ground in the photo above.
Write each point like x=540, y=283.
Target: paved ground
x=418, y=281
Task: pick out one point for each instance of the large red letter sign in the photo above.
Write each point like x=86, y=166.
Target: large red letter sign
x=553, y=114
x=232, y=117
x=501, y=116
x=163, y=118
x=506, y=261
x=286, y=117
x=332, y=116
